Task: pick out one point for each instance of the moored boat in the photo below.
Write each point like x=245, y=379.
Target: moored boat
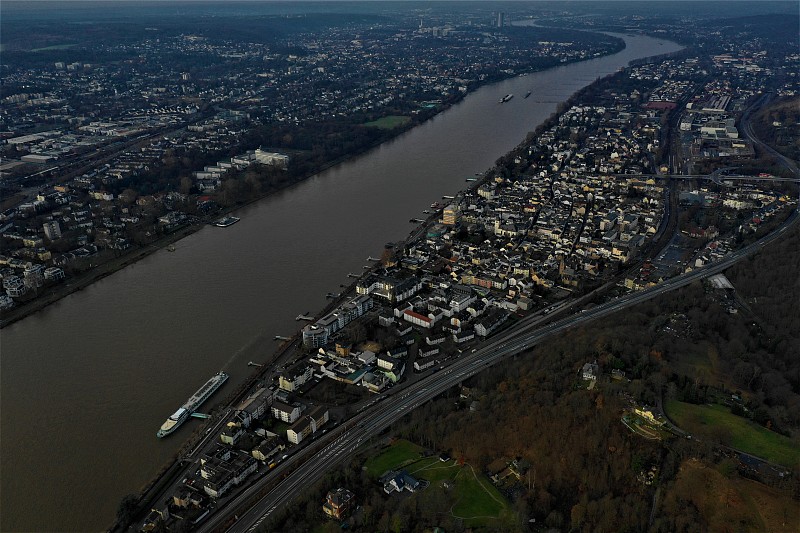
x=195, y=401
x=224, y=222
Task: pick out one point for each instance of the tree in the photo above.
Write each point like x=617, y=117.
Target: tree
x=186, y=185
x=127, y=509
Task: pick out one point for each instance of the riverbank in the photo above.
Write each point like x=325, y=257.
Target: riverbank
x=72, y=285
x=133, y=347
x=415, y=235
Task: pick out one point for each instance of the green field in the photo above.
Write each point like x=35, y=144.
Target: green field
x=717, y=422
x=478, y=502
x=54, y=47
x=388, y=123
x=399, y=454
x=475, y=499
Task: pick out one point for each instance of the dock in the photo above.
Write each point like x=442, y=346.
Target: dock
x=281, y=338
x=304, y=317
x=351, y=275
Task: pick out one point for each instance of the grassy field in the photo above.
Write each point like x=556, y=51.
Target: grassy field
x=475, y=499
x=716, y=421
x=388, y=123
x=399, y=454
x=478, y=501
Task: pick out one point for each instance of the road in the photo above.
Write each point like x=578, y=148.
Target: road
x=311, y=463
x=747, y=129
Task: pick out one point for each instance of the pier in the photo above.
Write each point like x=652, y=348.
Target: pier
x=304, y=317
x=281, y=338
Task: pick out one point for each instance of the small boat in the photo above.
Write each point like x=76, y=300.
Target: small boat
x=527, y=94
x=506, y=98
x=224, y=222
x=171, y=248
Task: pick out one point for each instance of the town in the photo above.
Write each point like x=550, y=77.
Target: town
x=593, y=326
x=112, y=160
x=578, y=208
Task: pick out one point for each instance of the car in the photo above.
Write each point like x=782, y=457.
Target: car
x=285, y=457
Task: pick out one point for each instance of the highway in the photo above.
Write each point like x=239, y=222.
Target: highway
x=309, y=464
x=747, y=130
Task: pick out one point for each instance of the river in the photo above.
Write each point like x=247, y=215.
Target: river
x=86, y=382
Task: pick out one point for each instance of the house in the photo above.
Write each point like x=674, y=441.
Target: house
x=590, y=371
x=294, y=378
x=464, y=336
x=155, y=519
x=428, y=351
x=233, y=431
x=186, y=498
x=225, y=469
x=399, y=481
x=376, y=382
x=267, y=448
x=308, y=425
x=424, y=365
x=433, y=340
x=285, y=412
x=491, y=322
x=338, y=503
x=256, y=405
x=387, y=362
x=398, y=353
x=418, y=319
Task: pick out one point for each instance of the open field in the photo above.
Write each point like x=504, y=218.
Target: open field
x=399, y=454
x=478, y=502
x=388, y=123
x=474, y=498
x=717, y=422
